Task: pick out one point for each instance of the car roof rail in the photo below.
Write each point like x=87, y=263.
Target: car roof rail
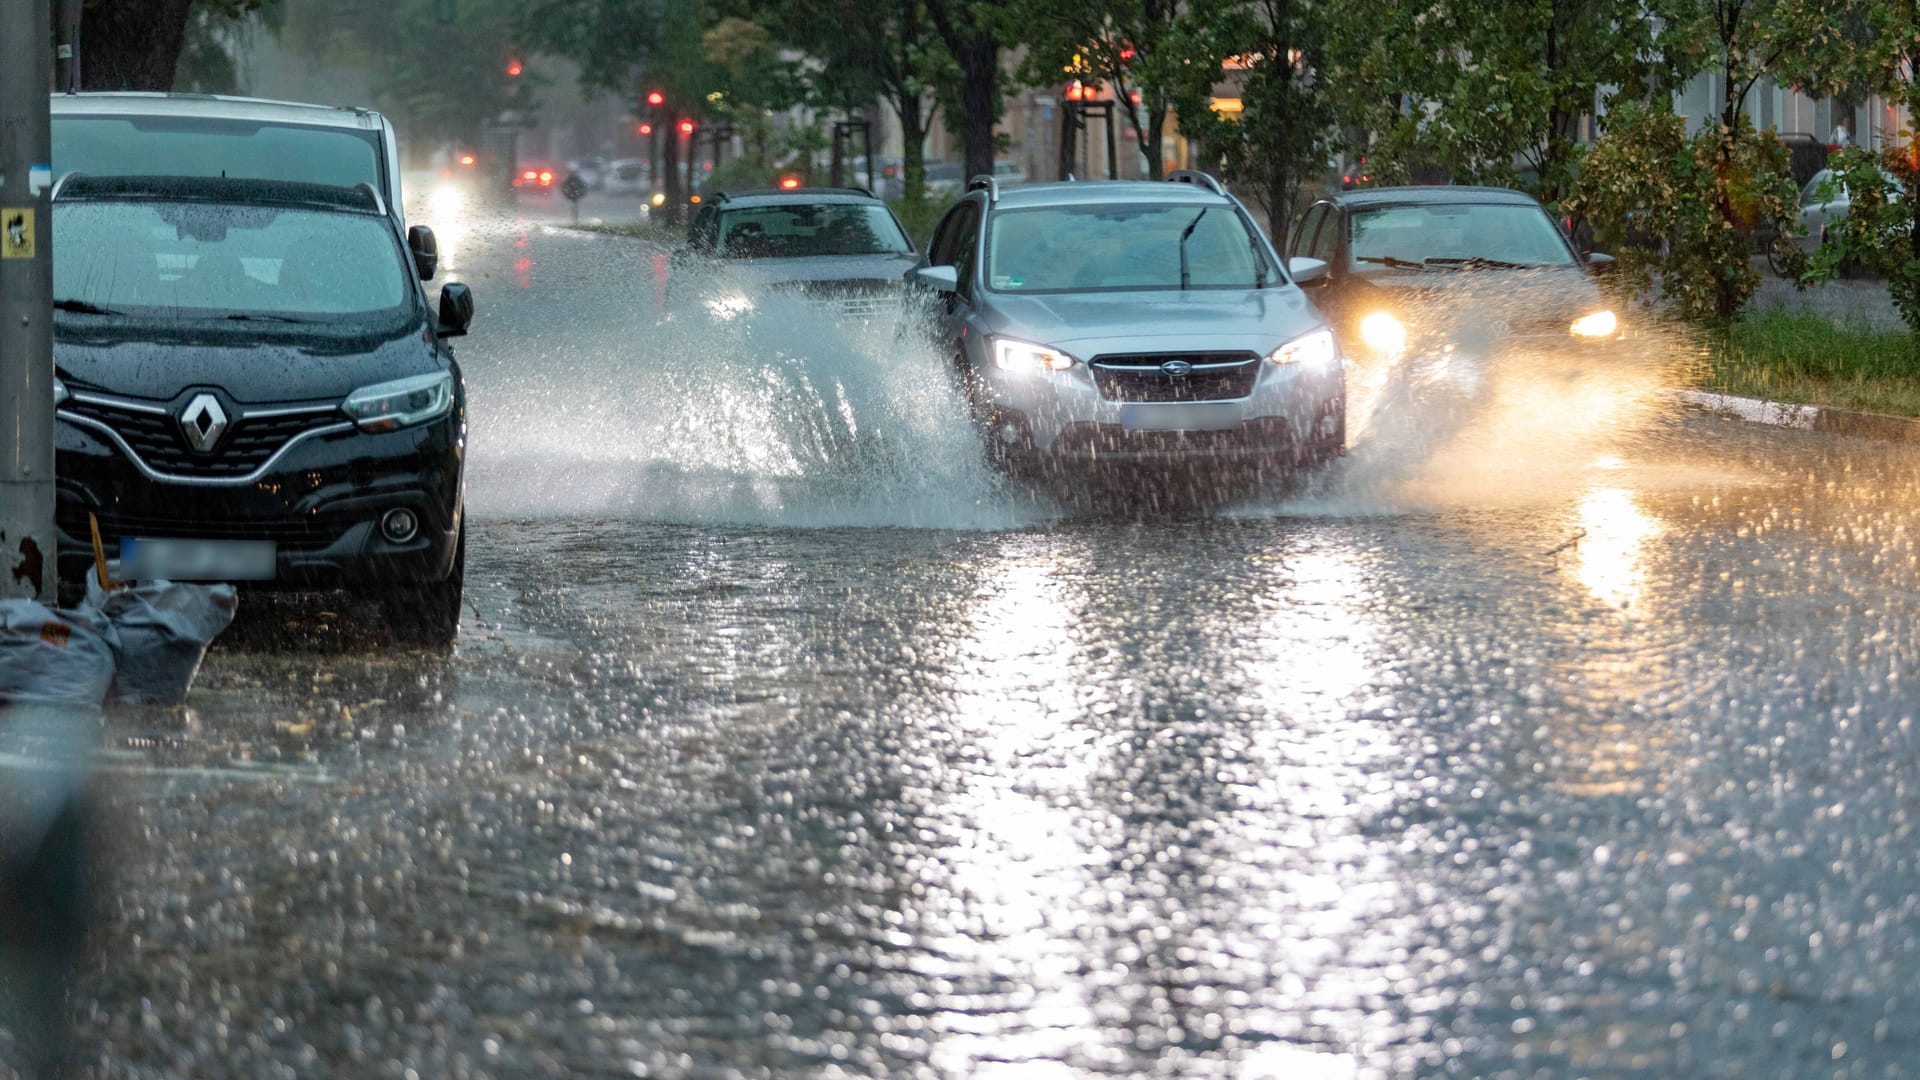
x=987, y=183
x=1197, y=179
x=62, y=182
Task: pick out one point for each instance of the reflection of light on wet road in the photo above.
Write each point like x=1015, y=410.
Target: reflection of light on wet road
x=1320, y=768
x=1610, y=553
x=1016, y=859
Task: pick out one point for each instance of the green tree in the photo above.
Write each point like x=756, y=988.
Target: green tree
x=1849, y=49
x=1130, y=47
x=1679, y=210
x=970, y=76
x=1282, y=137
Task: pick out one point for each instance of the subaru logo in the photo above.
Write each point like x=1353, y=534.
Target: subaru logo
x=1178, y=369
x=203, y=421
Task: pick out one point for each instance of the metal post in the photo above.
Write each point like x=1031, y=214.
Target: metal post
x=70, y=15
x=27, y=550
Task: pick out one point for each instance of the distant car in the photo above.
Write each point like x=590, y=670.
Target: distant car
x=250, y=386
x=840, y=249
x=1411, y=268
x=1130, y=324
x=1825, y=201
x=627, y=176
x=536, y=178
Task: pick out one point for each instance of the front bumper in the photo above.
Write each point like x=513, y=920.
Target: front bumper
x=320, y=503
x=1293, y=413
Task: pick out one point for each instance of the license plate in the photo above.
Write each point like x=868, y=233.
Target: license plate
x=1179, y=417
x=143, y=559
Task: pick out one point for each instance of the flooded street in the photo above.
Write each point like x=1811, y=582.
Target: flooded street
x=1569, y=737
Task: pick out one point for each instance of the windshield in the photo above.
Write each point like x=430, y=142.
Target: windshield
x=796, y=229
x=1055, y=249
x=199, y=260
x=196, y=146
x=1457, y=235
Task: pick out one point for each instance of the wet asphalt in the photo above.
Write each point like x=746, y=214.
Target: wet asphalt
x=1567, y=736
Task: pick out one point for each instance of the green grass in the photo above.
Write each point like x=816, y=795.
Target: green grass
x=1807, y=358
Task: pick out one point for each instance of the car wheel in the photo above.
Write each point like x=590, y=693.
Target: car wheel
x=429, y=614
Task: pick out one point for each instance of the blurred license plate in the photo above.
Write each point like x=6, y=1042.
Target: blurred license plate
x=196, y=560
x=1180, y=417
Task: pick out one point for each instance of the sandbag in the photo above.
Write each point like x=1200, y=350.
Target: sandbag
x=50, y=657
x=161, y=633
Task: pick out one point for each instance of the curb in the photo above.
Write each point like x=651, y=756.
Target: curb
x=1821, y=418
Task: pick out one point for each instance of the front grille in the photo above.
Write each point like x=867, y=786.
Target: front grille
x=289, y=531
x=1093, y=440
x=858, y=307
x=156, y=439
x=1138, y=376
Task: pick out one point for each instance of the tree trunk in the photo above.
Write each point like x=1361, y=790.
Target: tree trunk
x=1156, y=139
x=132, y=44
x=913, y=152
x=979, y=59
x=670, y=181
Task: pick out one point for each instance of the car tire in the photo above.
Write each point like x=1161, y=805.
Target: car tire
x=429, y=614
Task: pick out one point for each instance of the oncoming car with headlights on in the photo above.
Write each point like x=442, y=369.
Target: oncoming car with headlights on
x=1423, y=271
x=1131, y=324
x=250, y=387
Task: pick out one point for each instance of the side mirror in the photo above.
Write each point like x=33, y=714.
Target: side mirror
x=426, y=251
x=1306, y=271
x=456, y=309
x=941, y=279
x=1599, y=262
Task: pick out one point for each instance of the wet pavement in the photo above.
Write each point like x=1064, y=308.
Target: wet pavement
x=1563, y=735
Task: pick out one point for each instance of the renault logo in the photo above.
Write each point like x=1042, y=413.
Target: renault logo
x=1177, y=368
x=203, y=421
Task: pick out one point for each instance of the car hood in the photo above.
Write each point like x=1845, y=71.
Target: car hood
x=1441, y=300
x=1256, y=320
x=815, y=272
x=159, y=362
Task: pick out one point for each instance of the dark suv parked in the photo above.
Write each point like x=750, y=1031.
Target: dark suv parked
x=251, y=387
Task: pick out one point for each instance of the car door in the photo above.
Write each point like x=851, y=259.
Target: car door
x=1322, y=241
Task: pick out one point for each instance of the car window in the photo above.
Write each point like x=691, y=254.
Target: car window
x=1303, y=236
x=799, y=229
x=966, y=246
x=1455, y=234
x=1326, y=243
x=196, y=260
x=1816, y=191
x=200, y=146
x=947, y=237
x=1119, y=247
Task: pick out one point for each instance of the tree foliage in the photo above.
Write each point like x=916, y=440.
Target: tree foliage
x=1680, y=211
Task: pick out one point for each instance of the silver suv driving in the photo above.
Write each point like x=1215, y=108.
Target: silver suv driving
x=1131, y=323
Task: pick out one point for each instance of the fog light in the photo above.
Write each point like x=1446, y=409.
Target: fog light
x=399, y=525
x=1384, y=332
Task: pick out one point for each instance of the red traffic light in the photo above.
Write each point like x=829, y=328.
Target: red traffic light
x=686, y=127
x=513, y=68
x=466, y=159
x=788, y=183
x=646, y=129
x=656, y=98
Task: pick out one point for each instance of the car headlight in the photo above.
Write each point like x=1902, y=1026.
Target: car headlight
x=1011, y=355
x=1597, y=325
x=1314, y=348
x=1384, y=333
x=390, y=406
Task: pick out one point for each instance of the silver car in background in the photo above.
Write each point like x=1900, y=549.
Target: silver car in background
x=1133, y=324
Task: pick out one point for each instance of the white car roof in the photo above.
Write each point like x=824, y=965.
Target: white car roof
x=141, y=103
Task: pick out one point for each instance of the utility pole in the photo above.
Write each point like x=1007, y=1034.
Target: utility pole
x=28, y=555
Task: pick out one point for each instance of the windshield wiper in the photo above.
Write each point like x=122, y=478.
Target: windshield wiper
x=1185, y=235
x=83, y=307
x=1478, y=263
x=1389, y=260
x=262, y=317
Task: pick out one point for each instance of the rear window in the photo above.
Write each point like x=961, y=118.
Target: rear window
x=799, y=229
x=200, y=146
x=184, y=260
